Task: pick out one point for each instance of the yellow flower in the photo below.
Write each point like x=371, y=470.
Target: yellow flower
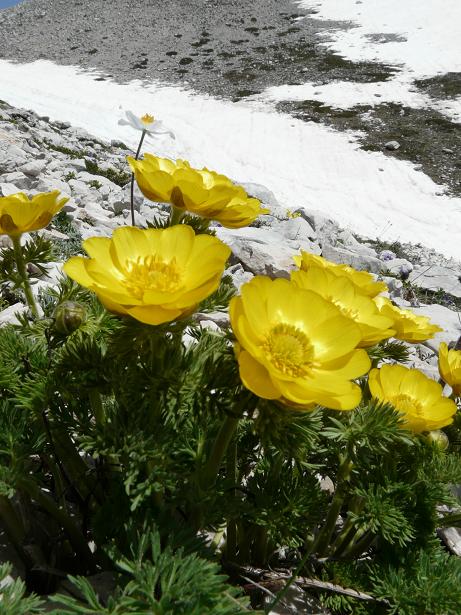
x=296, y=347
x=408, y=326
x=418, y=398
x=202, y=192
x=340, y=291
x=153, y=275
x=450, y=367
x=363, y=280
x=20, y=214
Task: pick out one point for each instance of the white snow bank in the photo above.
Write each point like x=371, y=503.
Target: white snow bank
x=348, y=94
x=428, y=39
x=304, y=164
x=419, y=38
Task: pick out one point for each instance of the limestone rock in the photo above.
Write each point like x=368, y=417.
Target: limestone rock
x=436, y=277
x=348, y=257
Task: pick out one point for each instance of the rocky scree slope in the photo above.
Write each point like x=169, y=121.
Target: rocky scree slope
x=38, y=155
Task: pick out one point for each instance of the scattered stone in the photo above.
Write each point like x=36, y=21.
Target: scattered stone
x=392, y=145
x=33, y=168
x=437, y=277
x=358, y=261
x=9, y=315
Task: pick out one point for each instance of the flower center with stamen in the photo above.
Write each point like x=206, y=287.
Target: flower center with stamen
x=406, y=404
x=289, y=350
x=152, y=273
x=147, y=119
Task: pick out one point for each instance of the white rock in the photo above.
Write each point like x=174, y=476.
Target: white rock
x=33, y=168
x=48, y=184
x=8, y=316
x=264, y=251
x=436, y=277
x=397, y=266
x=77, y=163
x=347, y=257
x=7, y=188
x=448, y=319
x=18, y=179
x=239, y=275
x=258, y=191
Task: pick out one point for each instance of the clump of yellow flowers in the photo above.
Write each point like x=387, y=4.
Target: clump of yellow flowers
x=198, y=191
x=300, y=342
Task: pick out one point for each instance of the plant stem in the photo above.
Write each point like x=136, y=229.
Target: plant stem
x=176, y=214
x=97, y=407
x=323, y=539
x=75, y=535
x=231, y=532
x=22, y=270
x=207, y=477
x=11, y=522
x=359, y=546
x=132, y=179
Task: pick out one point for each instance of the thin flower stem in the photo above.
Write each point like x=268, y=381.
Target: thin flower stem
x=22, y=270
x=12, y=522
x=324, y=537
x=97, y=407
x=359, y=546
x=231, y=531
x=225, y=434
x=133, y=222
x=176, y=214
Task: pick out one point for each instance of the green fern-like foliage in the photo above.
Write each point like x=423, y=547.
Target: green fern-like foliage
x=425, y=581
x=160, y=580
x=13, y=595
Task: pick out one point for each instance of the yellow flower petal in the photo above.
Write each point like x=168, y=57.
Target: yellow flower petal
x=256, y=378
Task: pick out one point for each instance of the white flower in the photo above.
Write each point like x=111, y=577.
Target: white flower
x=145, y=123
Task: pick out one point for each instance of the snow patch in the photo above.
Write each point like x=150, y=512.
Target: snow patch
x=302, y=163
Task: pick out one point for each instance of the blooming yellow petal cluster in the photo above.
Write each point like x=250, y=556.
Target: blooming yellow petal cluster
x=408, y=326
x=20, y=214
x=201, y=192
x=296, y=347
x=153, y=275
x=450, y=367
x=418, y=398
x=343, y=293
x=364, y=281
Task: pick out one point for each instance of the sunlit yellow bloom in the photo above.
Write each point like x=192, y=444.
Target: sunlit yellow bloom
x=408, y=326
x=450, y=367
x=153, y=275
x=21, y=214
x=202, y=192
x=340, y=291
x=418, y=398
x=363, y=280
x=296, y=347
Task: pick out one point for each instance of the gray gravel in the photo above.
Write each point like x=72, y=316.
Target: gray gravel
x=228, y=48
